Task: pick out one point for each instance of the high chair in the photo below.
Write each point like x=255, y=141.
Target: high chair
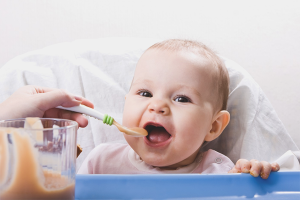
x=101, y=70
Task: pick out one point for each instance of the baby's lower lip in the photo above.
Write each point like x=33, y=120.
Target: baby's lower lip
x=157, y=144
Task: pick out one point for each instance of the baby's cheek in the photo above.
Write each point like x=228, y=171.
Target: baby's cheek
x=190, y=138
x=193, y=135
x=126, y=120
x=133, y=112
x=128, y=115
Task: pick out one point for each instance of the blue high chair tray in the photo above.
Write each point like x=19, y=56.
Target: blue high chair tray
x=279, y=185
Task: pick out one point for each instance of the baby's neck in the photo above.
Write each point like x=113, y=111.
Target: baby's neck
x=182, y=163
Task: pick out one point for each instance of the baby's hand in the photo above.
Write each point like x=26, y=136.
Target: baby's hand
x=255, y=168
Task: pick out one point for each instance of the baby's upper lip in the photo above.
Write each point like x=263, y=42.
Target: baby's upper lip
x=156, y=124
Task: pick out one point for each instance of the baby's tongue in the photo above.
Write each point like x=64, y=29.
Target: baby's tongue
x=158, y=134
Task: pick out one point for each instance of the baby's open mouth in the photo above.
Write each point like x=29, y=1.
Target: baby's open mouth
x=157, y=133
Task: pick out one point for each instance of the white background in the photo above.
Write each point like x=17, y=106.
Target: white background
x=262, y=36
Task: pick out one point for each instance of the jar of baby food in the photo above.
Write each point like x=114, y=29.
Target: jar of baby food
x=37, y=158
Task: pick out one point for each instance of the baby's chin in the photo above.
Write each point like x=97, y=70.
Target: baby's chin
x=161, y=163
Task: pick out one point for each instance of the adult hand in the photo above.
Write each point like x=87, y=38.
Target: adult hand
x=35, y=101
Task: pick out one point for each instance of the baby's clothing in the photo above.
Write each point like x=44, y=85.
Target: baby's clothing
x=122, y=159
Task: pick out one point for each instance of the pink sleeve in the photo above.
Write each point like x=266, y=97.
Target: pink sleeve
x=107, y=159
x=214, y=162
x=84, y=168
x=87, y=165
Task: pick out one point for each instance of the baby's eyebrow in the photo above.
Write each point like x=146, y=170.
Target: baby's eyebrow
x=147, y=81
x=185, y=87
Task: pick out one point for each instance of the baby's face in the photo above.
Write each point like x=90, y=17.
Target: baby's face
x=170, y=97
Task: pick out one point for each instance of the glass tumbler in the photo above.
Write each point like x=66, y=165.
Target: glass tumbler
x=38, y=163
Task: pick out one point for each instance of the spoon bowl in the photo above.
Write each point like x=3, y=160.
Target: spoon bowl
x=135, y=131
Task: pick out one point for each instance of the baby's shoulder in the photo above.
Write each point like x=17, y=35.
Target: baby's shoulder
x=105, y=158
x=108, y=152
x=215, y=162
x=214, y=156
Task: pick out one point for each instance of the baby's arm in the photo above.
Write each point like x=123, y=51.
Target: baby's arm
x=255, y=168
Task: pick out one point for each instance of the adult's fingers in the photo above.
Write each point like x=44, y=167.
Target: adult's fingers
x=56, y=98
x=65, y=114
x=255, y=167
x=87, y=103
x=50, y=98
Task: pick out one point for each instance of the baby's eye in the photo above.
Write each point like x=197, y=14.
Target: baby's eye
x=182, y=99
x=144, y=93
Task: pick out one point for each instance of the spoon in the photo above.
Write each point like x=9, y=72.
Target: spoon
x=135, y=132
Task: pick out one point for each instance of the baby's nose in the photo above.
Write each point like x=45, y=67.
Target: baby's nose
x=159, y=107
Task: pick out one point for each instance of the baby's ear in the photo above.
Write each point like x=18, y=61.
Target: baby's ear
x=219, y=123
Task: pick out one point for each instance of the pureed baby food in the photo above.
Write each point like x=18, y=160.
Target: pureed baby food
x=27, y=179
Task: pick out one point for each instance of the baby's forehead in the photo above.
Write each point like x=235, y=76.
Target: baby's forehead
x=174, y=61
x=190, y=58
x=193, y=56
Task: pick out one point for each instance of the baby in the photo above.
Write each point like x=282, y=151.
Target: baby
x=179, y=95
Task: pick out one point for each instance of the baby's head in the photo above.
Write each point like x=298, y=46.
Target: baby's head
x=178, y=94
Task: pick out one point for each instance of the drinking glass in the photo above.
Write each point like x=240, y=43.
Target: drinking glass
x=38, y=163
